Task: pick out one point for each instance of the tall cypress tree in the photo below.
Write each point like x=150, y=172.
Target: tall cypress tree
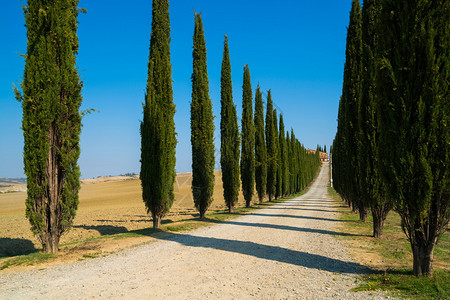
x=348, y=122
x=158, y=139
x=248, y=140
x=288, y=163
x=284, y=158
x=372, y=189
x=271, y=148
x=229, y=134
x=292, y=162
x=352, y=91
x=202, y=125
x=413, y=112
x=260, y=147
x=339, y=169
x=277, y=157
x=51, y=120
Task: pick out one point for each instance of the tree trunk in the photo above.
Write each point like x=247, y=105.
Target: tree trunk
x=379, y=215
x=202, y=214
x=423, y=258
x=156, y=221
x=378, y=223
x=362, y=212
x=53, y=216
x=50, y=243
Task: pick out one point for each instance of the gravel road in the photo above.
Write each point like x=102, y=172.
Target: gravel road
x=286, y=251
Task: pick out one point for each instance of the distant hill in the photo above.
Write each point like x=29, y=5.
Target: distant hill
x=11, y=181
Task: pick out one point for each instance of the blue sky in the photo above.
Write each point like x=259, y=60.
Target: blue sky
x=296, y=48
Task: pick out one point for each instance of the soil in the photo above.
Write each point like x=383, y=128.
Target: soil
x=286, y=251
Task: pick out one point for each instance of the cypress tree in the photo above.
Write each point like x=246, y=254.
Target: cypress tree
x=158, y=140
x=349, y=122
x=271, y=149
x=293, y=164
x=372, y=189
x=353, y=93
x=288, y=163
x=303, y=167
x=284, y=159
x=277, y=157
x=338, y=156
x=202, y=125
x=260, y=147
x=51, y=98
x=229, y=134
x=248, y=140
x=413, y=112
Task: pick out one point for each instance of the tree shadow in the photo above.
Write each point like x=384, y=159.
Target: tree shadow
x=12, y=247
x=112, y=229
x=298, y=217
x=124, y=221
x=267, y=252
x=300, y=203
x=308, y=209
x=104, y=229
x=285, y=227
x=310, y=205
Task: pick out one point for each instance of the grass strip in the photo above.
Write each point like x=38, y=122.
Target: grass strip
x=27, y=260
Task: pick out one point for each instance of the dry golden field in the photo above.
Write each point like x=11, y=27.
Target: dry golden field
x=105, y=208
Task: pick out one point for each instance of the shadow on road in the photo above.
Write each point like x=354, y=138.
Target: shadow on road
x=308, y=209
x=310, y=205
x=285, y=227
x=297, y=217
x=273, y=253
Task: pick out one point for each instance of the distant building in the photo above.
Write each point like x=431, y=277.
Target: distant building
x=311, y=151
x=323, y=155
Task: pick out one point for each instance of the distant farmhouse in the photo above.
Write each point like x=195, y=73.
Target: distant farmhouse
x=323, y=155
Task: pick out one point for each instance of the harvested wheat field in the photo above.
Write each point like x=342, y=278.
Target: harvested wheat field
x=108, y=205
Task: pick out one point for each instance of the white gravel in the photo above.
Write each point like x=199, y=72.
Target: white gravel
x=287, y=251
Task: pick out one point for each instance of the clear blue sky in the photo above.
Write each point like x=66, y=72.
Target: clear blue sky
x=296, y=48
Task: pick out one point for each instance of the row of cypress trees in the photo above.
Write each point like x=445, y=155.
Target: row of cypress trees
x=51, y=98
x=391, y=148
x=258, y=162
x=261, y=164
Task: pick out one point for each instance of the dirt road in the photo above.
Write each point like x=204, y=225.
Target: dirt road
x=287, y=251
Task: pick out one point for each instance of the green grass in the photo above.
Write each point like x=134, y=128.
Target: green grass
x=134, y=233
x=393, y=247
x=91, y=255
x=407, y=285
x=28, y=260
